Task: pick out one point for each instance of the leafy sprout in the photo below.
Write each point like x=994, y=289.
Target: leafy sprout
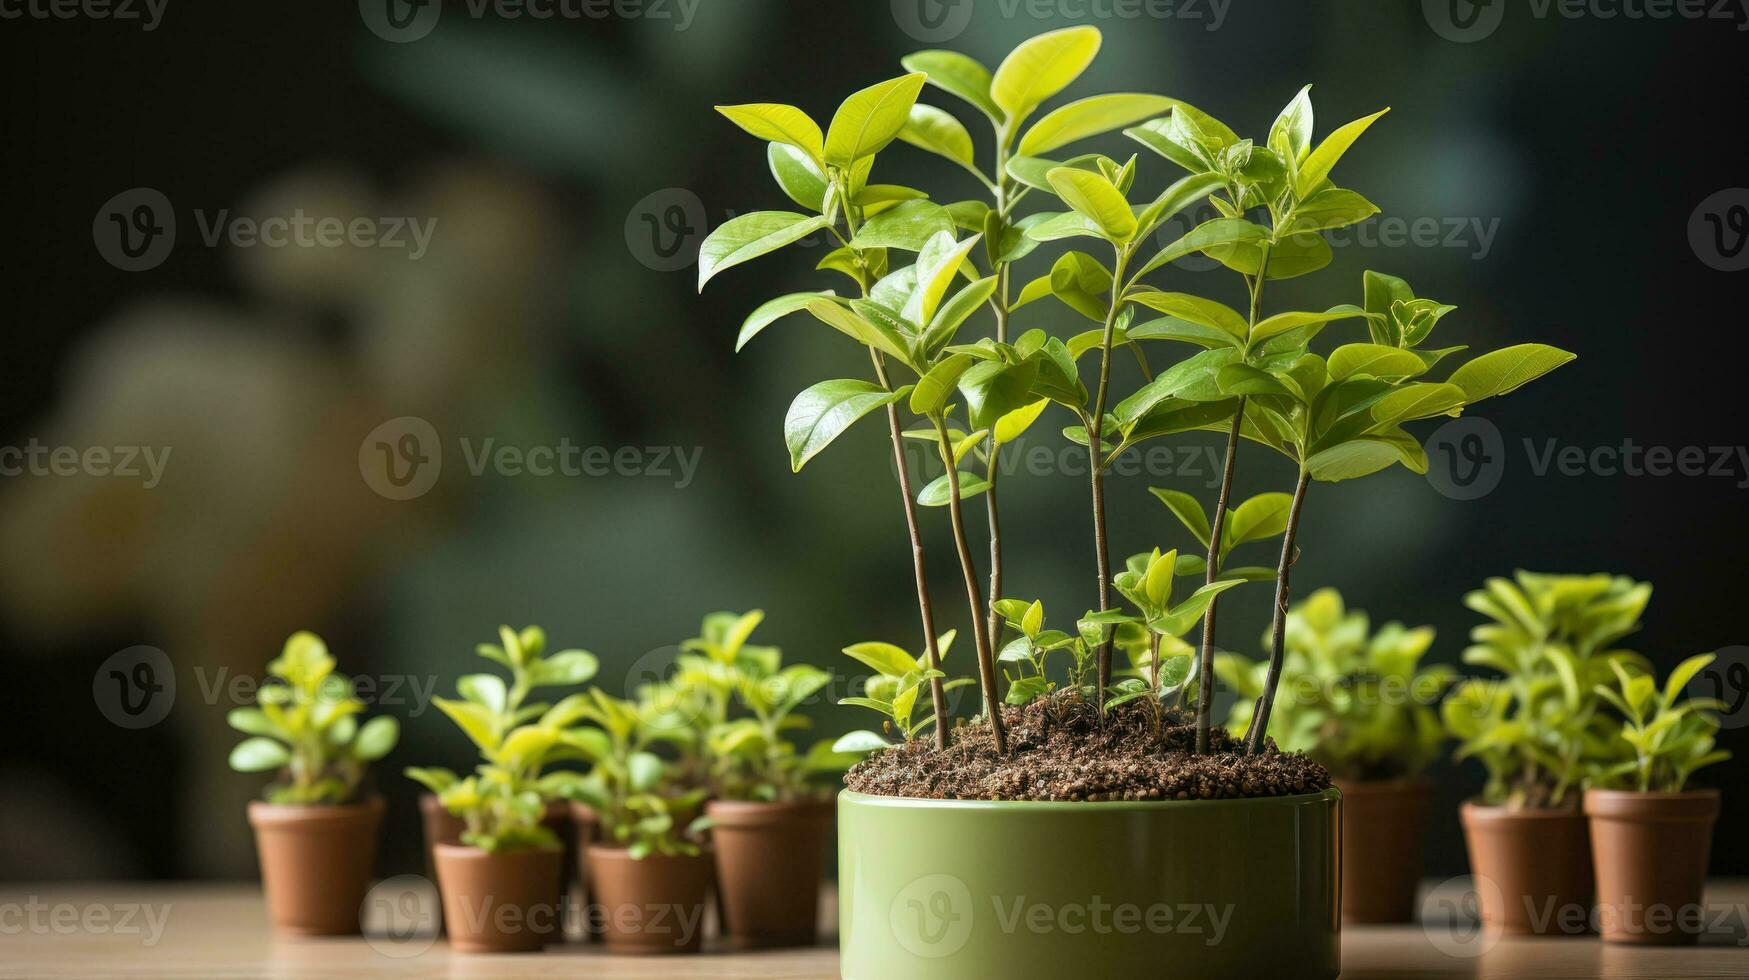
x=1664, y=737
x=503, y=801
x=305, y=725
x=641, y=800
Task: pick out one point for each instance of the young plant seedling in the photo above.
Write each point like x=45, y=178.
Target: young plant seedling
x=641, y=800
x=1362, y=705
x=1538, y=730
x=1664, y=737
x=1027, y=655
x=503, y=801
x=305, y=725
x=892, y=691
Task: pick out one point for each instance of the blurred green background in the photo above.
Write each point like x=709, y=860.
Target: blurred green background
x=571, y=165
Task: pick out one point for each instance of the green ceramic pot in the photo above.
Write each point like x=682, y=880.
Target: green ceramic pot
x=962, y=890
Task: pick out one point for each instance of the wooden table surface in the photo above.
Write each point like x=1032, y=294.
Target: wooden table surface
x=212, y=931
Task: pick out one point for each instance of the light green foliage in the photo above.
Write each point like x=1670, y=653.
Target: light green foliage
x=898, y=681
x=1664, y=737
x=1025, y=660
x=1357, y=701
x=306, y=725
x=740, y=701
x=503, y=801
x=1538, y=729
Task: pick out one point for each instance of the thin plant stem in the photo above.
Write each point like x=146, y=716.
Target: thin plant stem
x=1096, y=465
x=1206, y=662
x=1278, y=632
x=974, y=599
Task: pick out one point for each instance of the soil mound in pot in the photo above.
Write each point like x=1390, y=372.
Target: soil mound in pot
x=1059, y=750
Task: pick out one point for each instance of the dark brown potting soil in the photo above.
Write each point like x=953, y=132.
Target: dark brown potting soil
x=1059, y=750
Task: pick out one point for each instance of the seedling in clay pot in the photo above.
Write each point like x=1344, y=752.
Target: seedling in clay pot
x=316, y=829
x=1359, y=704
x=1073, y=751
x=1651, y=835
x=501, y=884
x=1539, y=730
x=649, y=875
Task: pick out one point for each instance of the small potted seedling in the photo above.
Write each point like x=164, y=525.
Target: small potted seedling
x=1538, y=730
x=1360, y=704
x=770, y=821
x=501, y=881
x=1650, y=834
x=1091, y=775
x=316, y=829
x=649, y=875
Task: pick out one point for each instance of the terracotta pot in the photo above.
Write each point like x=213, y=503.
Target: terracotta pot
x=316, y=863
x=770, y=858
x=1382, y=830
x=443, y=827
x=1650, y=853
x=1533, y=869
x=498, y=903
x=585, y=830
x=654, y=905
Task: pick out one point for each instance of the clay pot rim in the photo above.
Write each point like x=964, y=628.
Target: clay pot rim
x=615, y=852
x=468, y=852
x=583, y=811
x=265, y=814
x=734, y=814
x=1697, y=805
x=1499, y=813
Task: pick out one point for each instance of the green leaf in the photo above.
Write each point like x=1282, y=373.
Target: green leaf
x=1217, y=233
x=1319, y=162
x=1072, y=224
x=258, y=755
x=934, y=389
x=821, y=413
x=1289, y=257
x=1040, y=67
x=771, y=311
x=376, y=738
x=1373, y=360
x=909, y=226
x=878, y=334
x=1034, y=172
x=1291, y=134
x=749, y=236
x=939, y=493
x=859, y=743
x=1097, y=199
x=797, y=175
x=1504, y=371
x=1243, y=379
x=1416, y=401
x=1331, y=207
x=1684, y=672
x=1353, y=459
x=1175, y=198
x=1258, y=519
x=937, y=265
x=1188, y=511
x=1090, y=117
x=955, y=312
x=870, y=119
x=992, y=389
x=252, y=721
x=1192, y=309
x=931, y=129
x=956, y=74
x=1172, y=328
x=566, y=668
x=884, y=658
x=1014, y=424
x=777, y=123
x=1283, y=322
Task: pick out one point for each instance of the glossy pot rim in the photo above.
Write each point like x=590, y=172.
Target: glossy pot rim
x=1087, y=807
x=265, y=814
x=1697, y=805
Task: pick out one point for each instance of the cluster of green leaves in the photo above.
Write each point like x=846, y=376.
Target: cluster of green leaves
x=1358, y=701
x=305, y=725
x=503, y=801
x=741, y=701
x=1538, y=730
x=643, y=801
x=899, y=678
x=1025, y=658
x=1664, y=737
